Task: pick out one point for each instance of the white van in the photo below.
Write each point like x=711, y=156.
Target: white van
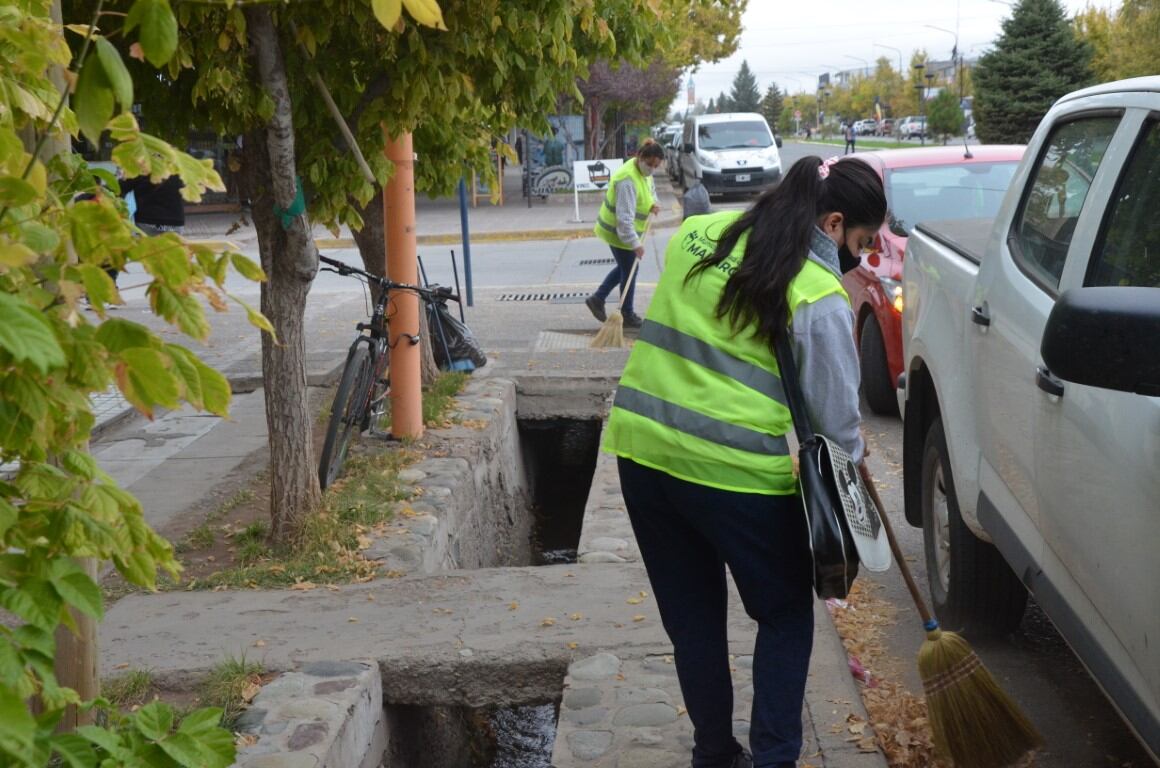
x=729, y=152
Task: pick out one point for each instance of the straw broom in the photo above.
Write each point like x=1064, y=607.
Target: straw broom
x=974, y=723
x=611, y=334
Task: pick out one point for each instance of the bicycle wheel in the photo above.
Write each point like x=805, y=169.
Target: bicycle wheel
x=346, y=414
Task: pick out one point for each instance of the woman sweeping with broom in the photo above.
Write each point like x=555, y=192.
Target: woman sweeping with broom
x=622, y=221
x=700, y=422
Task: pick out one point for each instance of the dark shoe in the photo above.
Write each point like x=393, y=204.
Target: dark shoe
x=743, y=760
x=596, y=307
x=632, y=321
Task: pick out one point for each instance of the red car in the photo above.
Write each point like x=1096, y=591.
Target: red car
x=928, y=184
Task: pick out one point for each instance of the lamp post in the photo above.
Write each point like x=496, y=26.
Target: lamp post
x=920, y=88
x=864, y=62
x=896, y=50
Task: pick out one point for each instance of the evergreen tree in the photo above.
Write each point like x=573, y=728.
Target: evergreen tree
x=724, y=103
x=711, y=107
x=1036, y=60
x=944, y=115
x=745, y=97
x=771, y=105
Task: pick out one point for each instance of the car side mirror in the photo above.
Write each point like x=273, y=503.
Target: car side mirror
x=687, y=146
x=777, y=141
x=896, y=227
x=1105, y=337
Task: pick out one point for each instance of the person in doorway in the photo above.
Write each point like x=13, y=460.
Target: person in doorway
x=850, y=139
x=623, y=218
x=699, y=425
x=160, y=207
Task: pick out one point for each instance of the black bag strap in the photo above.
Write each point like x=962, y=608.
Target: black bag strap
x=793, y=391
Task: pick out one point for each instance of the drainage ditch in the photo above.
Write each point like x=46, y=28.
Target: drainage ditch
x=559, y=458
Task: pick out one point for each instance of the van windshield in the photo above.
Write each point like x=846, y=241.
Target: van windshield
x=742, y=134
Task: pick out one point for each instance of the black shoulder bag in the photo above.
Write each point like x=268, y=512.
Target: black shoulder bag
x=822, y=481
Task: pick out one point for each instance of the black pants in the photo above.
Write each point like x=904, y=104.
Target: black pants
x=687, y=534
x=849, y=146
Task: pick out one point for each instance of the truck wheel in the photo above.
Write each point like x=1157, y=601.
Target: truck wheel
x=972, y=588
x=876, y=384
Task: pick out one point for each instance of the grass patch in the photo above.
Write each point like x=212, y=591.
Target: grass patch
x=439, y=398
x=132, y=688
x=232, y=685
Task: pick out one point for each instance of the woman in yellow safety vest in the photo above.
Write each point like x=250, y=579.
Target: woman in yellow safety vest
x=699, y=424
x=623, y=218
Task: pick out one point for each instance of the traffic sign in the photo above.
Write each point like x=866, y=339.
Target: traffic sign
x=797, y=114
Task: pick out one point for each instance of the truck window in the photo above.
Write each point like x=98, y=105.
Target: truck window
x=1044, y=227
x=1128, y=251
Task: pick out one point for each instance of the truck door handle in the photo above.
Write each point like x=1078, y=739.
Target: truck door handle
x=1047, y=382
x=979, y=316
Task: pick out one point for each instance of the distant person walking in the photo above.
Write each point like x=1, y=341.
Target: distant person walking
x=631, y=198
x=160, y=207
x=851, y=136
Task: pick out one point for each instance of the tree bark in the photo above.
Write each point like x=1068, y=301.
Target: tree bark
x=372, y=247
x=290, y=260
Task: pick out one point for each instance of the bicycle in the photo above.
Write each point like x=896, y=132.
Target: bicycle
x=365, y=383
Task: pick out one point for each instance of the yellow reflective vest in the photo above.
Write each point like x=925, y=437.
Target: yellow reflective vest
x=645, y=199
x=697, y=400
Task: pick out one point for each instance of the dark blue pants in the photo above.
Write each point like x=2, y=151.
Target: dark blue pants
x=618, y=276
x=687, y=534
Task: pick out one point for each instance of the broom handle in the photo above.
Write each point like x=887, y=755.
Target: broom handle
x=919, y=603
x=635, y=264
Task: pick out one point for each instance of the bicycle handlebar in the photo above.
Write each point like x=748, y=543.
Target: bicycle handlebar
x=387, y=285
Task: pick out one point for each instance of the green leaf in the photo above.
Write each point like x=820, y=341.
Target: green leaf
x=34, y=601
x=15, y=192
x=74, y=750
x=150, y=380
x=115, y=72
x=247, y=268
x=185, y=367
x=39, y=237
x=11, y=665
x=93, y=100
x=118, y=335
x=158, y=35
x=154, y=720
x=27, y=335
x=201, y=721
x=106, y=740
x=8, y=518
x=215, y=389
x=37, y=639
x=17, y=255
x=76, y=588
x=17, y=728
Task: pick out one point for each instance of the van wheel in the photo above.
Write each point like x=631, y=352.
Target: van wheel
x=972, y=588
x=876, y=384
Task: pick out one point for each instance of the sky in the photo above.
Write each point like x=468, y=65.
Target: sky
x=790, y=42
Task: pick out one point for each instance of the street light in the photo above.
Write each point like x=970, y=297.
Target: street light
x=859, y=58
x=896, y=50
x=919, y=69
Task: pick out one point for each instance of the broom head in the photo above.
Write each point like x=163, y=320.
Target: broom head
x=975, y=724
x=611, y=334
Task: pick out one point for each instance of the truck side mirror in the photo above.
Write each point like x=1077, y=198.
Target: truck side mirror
x=687, y=146
x=777, y=140
x=1106, y=337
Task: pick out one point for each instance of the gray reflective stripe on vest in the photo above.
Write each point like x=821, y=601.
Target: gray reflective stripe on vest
x=609, y=227
x=706, y=355
x=639, y=216
x=698, y=424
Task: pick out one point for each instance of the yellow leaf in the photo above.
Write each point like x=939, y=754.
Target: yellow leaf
x=548, y=622
x=634, y=601
x=259, y=643
x=224, y=41
x=16, y=255
x=353, y=620
x=575, y=617
x=638, y=617
x=303, y=586
x=513, y=605
x=387, y=11
x=573, y=646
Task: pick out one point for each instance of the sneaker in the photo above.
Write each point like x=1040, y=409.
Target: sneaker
x=632, y=321
x=596, y=307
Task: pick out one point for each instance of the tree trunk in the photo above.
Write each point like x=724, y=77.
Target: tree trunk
x=372, y=247
x=291, y=261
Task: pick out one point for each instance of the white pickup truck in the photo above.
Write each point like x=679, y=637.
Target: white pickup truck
x=1031, y=396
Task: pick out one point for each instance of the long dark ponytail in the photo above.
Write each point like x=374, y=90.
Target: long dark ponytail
x=781, y=226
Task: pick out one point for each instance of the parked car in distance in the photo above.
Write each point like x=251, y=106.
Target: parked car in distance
x=672, y=145
x=729, y=152
x=912, y=127
x=865, y=127
x=935, y=183
x=885, y=127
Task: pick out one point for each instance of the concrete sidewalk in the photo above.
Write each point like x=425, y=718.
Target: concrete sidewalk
x=178, y=464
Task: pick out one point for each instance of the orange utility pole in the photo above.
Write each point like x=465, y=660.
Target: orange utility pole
x=399, y=211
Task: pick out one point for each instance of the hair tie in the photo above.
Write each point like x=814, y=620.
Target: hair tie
x=824, y=168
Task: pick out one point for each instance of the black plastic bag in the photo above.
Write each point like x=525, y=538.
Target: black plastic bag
x=452, y=342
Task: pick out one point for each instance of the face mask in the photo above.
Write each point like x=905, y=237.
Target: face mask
x=846, y=260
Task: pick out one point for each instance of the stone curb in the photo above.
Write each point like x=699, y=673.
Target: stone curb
x=324, y=715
